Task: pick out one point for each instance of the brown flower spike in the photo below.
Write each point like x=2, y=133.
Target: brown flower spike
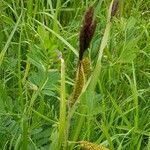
x=114, y=8
x=87, y=31
x=83, y=68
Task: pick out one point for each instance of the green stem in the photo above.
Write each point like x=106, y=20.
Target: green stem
x=78, y=128
x=62, y=115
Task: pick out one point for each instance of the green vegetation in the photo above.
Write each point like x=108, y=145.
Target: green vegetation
x=39, y=50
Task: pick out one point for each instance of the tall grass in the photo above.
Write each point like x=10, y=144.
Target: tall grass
x=39, y=42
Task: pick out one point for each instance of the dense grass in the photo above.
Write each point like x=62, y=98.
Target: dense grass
x=39, y=42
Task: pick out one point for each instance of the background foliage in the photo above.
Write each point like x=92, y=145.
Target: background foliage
x=32, y=35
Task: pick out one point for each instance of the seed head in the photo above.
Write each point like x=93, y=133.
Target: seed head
x=114, y=8
x=87, y=31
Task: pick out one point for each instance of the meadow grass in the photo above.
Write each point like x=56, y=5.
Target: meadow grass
x=39, y=46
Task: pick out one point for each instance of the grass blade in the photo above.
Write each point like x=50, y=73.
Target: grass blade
x=2, y=54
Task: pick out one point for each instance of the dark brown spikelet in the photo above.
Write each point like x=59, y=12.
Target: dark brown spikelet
x=114, y=8
x=87, y=31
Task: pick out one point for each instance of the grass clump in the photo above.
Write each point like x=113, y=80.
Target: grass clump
x=105, y=83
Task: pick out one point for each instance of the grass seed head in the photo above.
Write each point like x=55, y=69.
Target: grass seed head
x=79, y=83
x=86, y=66
x=85, y=145
x=87, y=31
x=114, y=8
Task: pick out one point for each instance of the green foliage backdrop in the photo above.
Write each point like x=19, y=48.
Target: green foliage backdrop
x=39, y=43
